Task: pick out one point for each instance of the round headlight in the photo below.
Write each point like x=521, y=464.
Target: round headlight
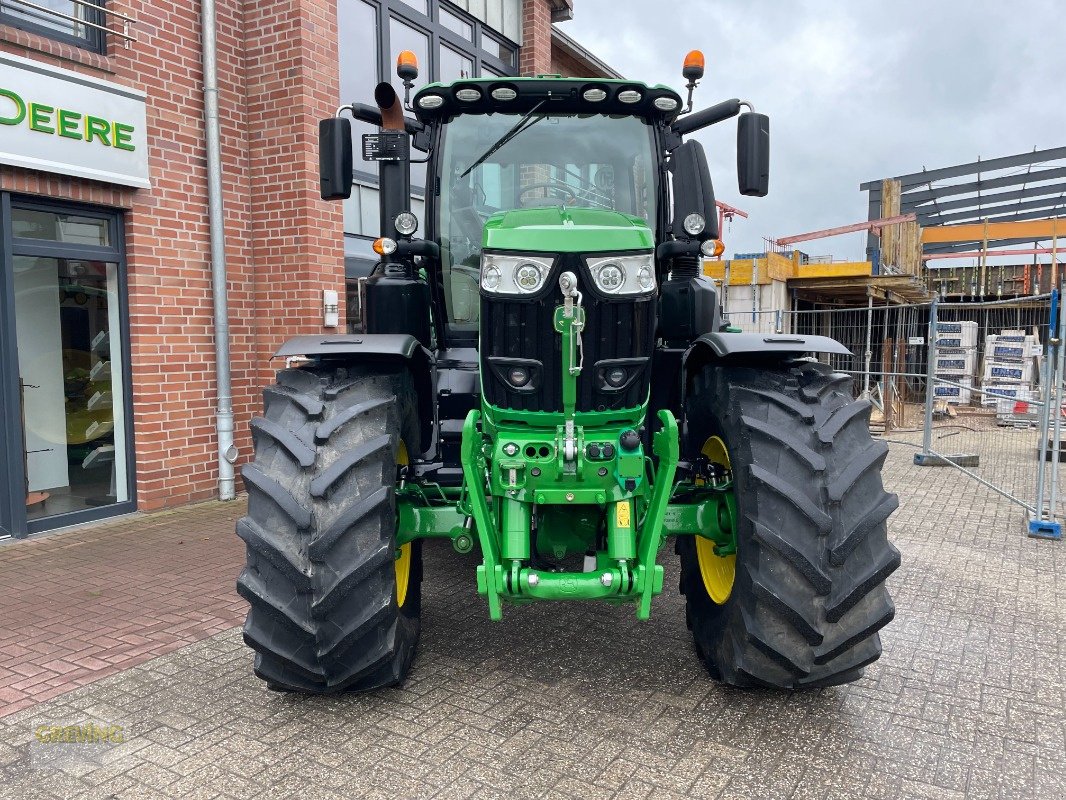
x=616, y=376
x=694, y=224
x=468, y=95
x=518, y=376
x=629, y=96
x=528, y=277
x=665, y=103
x=594, y=95
x=610, y=277
x=504, y=93
x=490, y=278
x=430, y=101
x=406, y=223
x=645, y=277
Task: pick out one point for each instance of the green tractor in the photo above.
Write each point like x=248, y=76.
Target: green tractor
x=546, y=380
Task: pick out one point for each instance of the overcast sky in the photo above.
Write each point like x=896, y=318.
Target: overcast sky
x=855, y=91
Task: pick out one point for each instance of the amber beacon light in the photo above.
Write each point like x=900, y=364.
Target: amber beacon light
x=406, y=66
x=693, y=68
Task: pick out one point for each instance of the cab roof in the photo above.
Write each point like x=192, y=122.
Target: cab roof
x=442, y=101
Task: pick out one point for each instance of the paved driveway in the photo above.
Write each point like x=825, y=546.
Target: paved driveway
x=968, y=701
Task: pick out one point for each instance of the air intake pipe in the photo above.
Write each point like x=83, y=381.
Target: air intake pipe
x=395, y=176
x=397, y=299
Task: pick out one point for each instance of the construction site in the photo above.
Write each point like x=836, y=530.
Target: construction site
x=948, y=232
x=985, y=232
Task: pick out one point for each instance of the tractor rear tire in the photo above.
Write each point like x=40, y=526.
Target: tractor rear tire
x=808, y=593
x=333, y=604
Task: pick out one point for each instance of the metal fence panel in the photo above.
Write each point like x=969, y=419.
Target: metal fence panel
x=971, y=386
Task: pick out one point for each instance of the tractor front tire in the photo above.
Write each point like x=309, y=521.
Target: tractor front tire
x=334, y=605
x=803, y=602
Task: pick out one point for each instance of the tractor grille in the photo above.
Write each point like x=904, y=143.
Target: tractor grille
x=519, y=332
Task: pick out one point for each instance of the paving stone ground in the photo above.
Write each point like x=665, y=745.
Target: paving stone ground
x=80, y=604
x=968, y=700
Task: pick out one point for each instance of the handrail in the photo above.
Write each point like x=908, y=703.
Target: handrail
x=126, y=21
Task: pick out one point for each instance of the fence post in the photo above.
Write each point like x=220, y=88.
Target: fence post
x=1056, y=373
x=1049, y=378
x=930, y=366
x=869, y=351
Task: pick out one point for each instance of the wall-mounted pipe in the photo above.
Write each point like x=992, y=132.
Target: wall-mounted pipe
x=227, y=451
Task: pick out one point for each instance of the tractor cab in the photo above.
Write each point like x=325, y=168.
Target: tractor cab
x=541, y=164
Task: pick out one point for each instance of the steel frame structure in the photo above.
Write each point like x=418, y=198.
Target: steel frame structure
x=1037, y=192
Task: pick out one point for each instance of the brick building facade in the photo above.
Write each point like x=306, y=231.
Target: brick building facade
x=281, y=68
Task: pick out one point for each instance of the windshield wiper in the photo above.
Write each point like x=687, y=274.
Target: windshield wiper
x=517, y=129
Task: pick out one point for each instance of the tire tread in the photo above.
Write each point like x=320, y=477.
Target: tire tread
x=809, y=595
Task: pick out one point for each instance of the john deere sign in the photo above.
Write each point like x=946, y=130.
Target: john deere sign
x=60, y=121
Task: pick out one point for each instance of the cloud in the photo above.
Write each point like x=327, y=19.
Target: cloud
x=855, y=91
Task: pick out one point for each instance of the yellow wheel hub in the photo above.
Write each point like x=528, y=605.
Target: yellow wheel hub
x=403, y=556
x=718, y=572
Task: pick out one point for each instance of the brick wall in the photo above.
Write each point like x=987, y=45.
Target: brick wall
x=534, y=58
x=168, y=251
x=569, y=67
x=293, y=81
x=277, y=76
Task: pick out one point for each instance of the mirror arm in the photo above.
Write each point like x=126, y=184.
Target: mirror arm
x=364, y=112
x=708, y=116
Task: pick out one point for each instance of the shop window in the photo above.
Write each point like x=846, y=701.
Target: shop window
x=64, y=272
x=498, y=49
x=65, y=20
x=456, y=24
x=27, y=223
x=454, y=65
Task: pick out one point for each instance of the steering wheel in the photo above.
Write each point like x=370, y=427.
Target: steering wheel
x=561, y=188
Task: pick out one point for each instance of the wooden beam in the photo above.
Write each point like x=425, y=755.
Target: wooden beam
x=1033, y=230
x=1025, y=251
x=869, y=225
x=890, y=236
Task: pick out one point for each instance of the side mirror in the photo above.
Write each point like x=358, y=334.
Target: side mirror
x=753, y=154
x=693, y=193
x=335, y=158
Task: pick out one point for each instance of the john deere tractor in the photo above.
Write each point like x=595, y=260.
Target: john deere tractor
x=545, y=380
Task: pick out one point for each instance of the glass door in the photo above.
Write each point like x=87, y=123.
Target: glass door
x=66, y=279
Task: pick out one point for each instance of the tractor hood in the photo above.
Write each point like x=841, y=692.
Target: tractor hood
x=560, y=229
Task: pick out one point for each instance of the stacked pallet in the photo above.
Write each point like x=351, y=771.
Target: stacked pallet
x=1011, y=373
x=955, y=361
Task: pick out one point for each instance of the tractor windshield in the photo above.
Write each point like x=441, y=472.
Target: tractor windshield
x=587, y=161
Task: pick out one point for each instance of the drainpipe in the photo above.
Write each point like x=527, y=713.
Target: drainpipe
x=227, y=452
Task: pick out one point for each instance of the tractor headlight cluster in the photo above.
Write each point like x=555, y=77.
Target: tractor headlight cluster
x=513, y=274
x=406, y=223
x=624, y=274
x=694, y=224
